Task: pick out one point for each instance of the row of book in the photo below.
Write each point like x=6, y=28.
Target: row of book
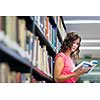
x=43, y=22
x=15, y=28
x=9, y=76
x=37, y=55
x=17, y=37
x=49, y=31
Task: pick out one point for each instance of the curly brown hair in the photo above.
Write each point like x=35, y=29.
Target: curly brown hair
x=68, y=42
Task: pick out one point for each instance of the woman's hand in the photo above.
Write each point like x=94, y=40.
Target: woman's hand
x=81, y=71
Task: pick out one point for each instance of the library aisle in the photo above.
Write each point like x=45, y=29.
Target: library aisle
x=28, y=45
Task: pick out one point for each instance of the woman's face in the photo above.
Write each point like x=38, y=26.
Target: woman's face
x=75, y=45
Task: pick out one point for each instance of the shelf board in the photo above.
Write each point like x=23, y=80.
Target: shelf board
x=44, y=41
x=8, y=55
x=20, y=64
x=41, y=73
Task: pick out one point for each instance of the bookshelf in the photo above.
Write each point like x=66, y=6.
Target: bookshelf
x=23, y=65
x=6, y=54
x=20, y=64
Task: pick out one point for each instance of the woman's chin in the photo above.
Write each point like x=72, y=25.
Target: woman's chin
x=73, y=50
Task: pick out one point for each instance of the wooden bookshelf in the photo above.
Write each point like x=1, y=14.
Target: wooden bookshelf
x=38, y=74
x=20, y=64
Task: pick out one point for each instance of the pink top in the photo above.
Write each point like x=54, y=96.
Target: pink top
x=68, y=66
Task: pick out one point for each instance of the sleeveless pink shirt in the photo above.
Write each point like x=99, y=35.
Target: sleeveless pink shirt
x=68, y=66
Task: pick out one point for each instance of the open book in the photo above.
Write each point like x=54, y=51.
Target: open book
x=85, y=64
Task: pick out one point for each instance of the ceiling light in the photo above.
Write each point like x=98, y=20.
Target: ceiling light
x=81, y=21
x=90, y=41
x=89, y=48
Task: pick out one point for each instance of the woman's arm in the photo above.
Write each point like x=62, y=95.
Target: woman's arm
x=59, y=65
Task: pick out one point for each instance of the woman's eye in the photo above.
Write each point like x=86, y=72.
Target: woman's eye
x=77, y=43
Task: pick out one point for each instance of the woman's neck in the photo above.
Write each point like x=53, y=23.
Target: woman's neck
x=68, y=53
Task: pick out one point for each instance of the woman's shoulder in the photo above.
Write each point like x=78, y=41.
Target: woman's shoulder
x=61, y=54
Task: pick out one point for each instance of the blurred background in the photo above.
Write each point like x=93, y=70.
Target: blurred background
x=88, y=27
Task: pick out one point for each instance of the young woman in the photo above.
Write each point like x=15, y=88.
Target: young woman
x=63, y=60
